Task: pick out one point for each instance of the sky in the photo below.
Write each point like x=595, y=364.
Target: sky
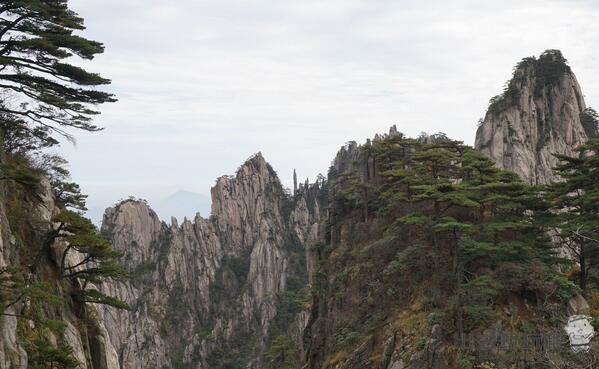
x=202, y=85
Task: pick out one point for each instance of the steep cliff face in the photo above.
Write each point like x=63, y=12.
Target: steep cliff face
x=537, y=116
x=28, y=336
x=211, y=293
x=11, y=352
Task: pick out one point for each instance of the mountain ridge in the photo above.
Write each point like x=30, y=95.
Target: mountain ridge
x=274, y=279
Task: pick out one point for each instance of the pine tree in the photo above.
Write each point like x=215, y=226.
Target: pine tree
x=282, y=354
x=96, y=260
x=19, y=139
x=477, y=225
x=590, y=122
x=40, y=87
x=67, y=194
x=575, y=203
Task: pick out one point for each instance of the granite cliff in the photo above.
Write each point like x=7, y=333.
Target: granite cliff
x=539, y=114
x=45, y=310
x=212, y=293
x=206, y=293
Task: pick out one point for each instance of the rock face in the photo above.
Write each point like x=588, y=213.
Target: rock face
x=209, y=293
x=206, y=293
x=87, y=338
x=538, y=115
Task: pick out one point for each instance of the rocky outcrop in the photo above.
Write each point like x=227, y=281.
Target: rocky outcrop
x=12, y=353
x=537, y=116
x=207, y=293
x=86, y=338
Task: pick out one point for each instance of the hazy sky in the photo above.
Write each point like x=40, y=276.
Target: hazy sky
x=202, y=85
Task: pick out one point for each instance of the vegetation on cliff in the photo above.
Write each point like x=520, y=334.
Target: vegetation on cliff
x=429, y=235
x=50, y=280
x=426, y=238
x=546, y=71
x=576, y=204
x=590, y=121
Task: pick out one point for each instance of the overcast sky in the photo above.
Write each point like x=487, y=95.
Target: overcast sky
x=202, y=85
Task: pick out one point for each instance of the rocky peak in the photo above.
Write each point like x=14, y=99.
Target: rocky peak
x=134, y=223
x=214, y=281
x=538, y=115
x=242, y=202
x=252, y=179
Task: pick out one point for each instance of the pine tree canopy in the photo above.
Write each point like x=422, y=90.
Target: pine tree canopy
x=575, y=202
x=38, y=85
x=448, y=208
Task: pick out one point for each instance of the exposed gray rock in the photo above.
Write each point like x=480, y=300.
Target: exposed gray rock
x=210, y=285
x=578, y=305
x=388, y=349
x=72, y=337
x=538, y=116
x=12, y=347
x=11, y=353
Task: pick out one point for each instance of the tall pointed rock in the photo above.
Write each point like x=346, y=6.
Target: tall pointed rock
x=538, y=115
x=294, y=183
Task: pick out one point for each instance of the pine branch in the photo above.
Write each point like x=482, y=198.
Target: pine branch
x=12, y=25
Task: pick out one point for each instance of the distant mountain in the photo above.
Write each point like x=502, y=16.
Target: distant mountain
x=182, y=204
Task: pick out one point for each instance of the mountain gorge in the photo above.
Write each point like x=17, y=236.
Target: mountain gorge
x=405, y=245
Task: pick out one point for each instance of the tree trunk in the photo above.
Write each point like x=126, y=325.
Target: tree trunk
x=459, y=277
x=436, y=257
x=583, y=270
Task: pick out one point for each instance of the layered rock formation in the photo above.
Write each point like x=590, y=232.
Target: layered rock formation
x=209, y=293
x=537, y=116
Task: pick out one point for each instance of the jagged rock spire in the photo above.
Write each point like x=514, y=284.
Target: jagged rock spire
x=537, y=116
x=223, y=275
x=294, y=183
